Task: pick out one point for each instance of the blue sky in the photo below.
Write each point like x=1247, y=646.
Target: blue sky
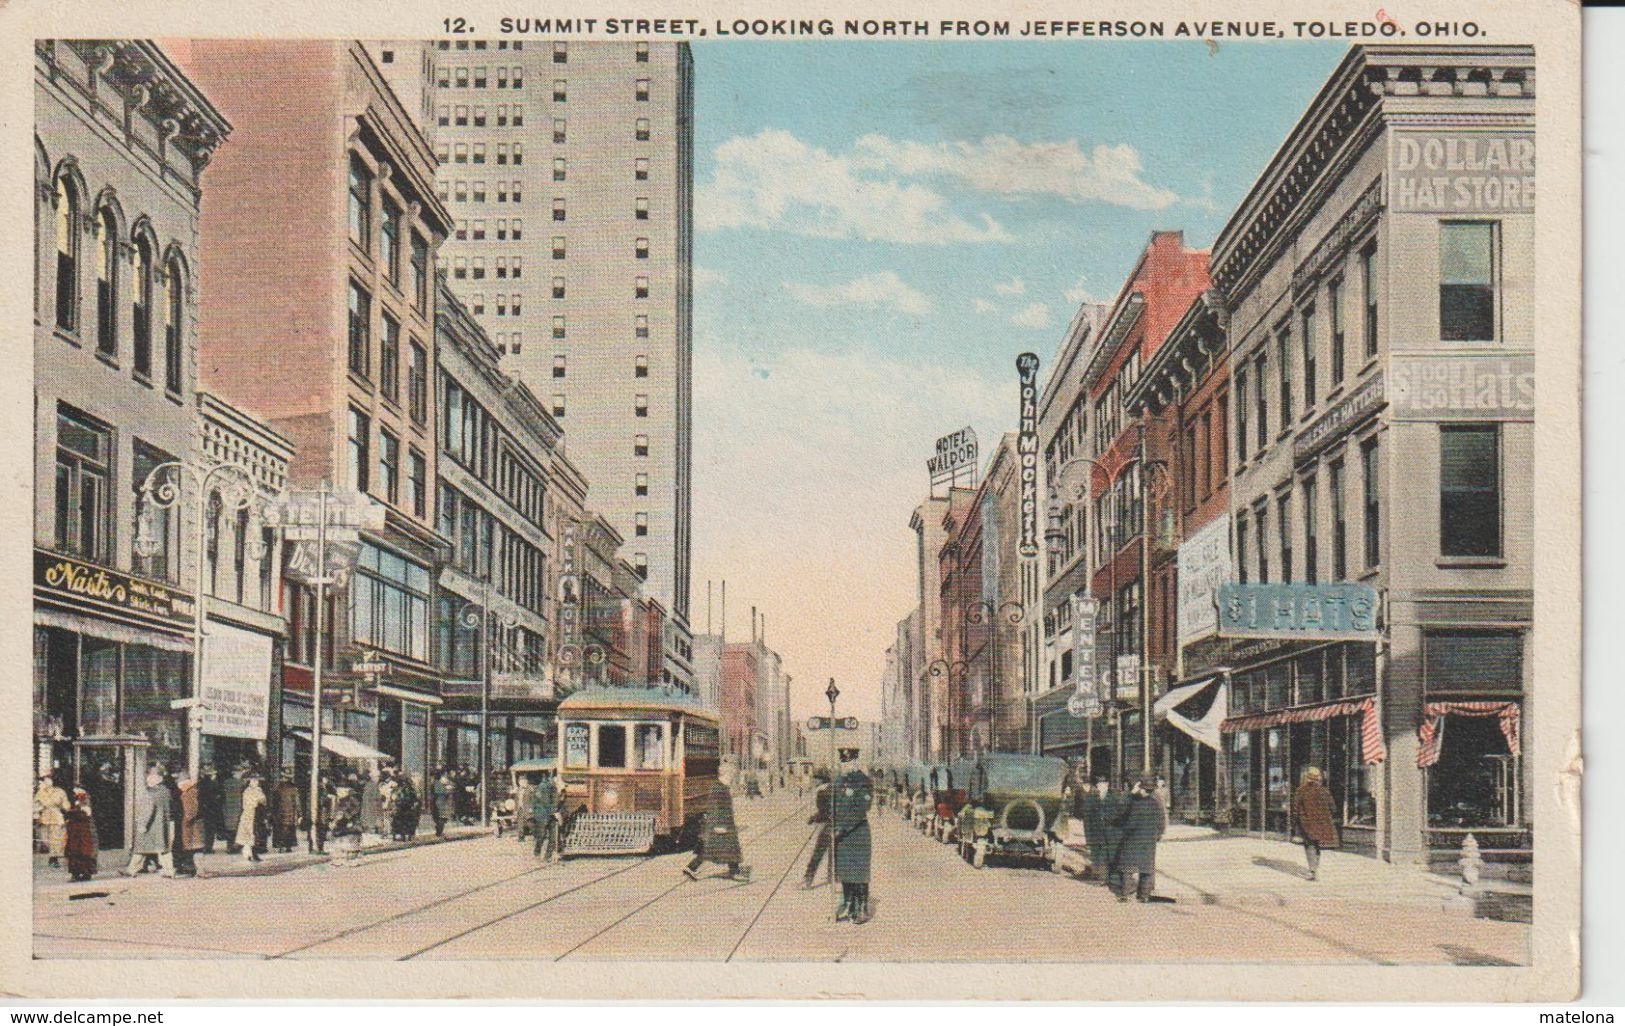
x=882, y=227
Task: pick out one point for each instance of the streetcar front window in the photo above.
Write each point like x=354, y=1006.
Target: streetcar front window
x=611, y=746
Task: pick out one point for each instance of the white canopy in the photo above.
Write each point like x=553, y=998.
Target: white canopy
x=342, y=746
x=1205, y=730
x=1179, y=696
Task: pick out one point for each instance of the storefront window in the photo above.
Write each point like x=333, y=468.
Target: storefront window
x=1360, y=668
x=1312, y=678
x=390, y=609
x=1278, y=686
x=1359, y=807
x=98, y=665
x=153, y=678
x=1475, y=782
x=1241, y=777
x=1465, y=661
x=1132, y=744
x=1278, y=787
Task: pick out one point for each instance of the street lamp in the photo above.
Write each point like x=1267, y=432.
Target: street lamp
x=162, y=490
x=1056, y=537
x=832, y=693
x=478, y=616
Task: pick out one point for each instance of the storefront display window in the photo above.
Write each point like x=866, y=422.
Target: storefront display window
x=98, y=674
x=1278, y=788
x=1475, y=782
x=153, y=678
x=1278, y=686
x=1358, y=805
x=1241, y=777
x=1469, y=661
x=1360, y=668
x=1312, y=678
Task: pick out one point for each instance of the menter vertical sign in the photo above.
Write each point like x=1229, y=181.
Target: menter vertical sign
x=1027, y=452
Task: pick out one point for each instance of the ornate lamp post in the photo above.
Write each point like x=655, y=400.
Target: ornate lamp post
x=163, y=490
x=1056, y=538
x=832, y=693
x=478, y=616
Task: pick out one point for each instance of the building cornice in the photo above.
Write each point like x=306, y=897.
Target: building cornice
x=1371, y=84
x=1193, y=345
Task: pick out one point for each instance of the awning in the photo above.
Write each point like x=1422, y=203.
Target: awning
x=1431, y=734
x=1374, y=751
x=1206, y=730
x=1178, y=696
x=342, y=746
x=409, y=696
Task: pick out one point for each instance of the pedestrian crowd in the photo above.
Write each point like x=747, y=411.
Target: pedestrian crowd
x=246, y=812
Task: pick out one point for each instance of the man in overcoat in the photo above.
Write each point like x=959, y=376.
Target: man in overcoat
x=210, y=810
x=820, y=816
x=1316, y=818
x=719, y=836
x=154, y=826
x=542, y=806
x=1092, y=810
x=850, y=798
x=286, y=809
x=1139, y=830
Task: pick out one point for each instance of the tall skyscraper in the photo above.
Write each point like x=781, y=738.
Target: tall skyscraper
x=568, y=169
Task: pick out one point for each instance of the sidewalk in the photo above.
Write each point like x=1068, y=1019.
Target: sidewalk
x=54, y=879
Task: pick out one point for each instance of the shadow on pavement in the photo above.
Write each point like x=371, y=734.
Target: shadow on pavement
x=1280, y=866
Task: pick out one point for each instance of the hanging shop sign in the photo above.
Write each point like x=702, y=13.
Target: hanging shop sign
x=86, y=584
x=1204, y=566
x=1027, y=452
x=1314, y=612
x=237, y=689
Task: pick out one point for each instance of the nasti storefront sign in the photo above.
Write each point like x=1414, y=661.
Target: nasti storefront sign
x=67, y=579
x=1310, y=612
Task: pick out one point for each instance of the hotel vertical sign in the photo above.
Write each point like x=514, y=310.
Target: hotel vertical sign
x=1027, y=453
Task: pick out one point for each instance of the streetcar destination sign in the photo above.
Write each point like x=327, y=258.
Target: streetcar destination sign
x=841, y=723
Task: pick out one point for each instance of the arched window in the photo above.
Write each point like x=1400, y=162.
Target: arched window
x=239, y=554
x=141, y=306
x=67, y=255
x=211, y=541
x=106, y=282
x=174, y=313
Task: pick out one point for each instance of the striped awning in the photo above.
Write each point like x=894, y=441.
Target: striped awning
x=1373, y=749
x=1431, y=732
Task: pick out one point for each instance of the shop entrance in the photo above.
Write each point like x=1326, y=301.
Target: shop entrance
x=109, y=770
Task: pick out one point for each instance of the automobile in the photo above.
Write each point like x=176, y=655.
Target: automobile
x=1014, y=804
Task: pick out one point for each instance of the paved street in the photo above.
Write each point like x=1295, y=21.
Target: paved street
x=485, y=897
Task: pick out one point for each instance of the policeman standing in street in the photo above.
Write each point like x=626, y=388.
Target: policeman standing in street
x=850, y=797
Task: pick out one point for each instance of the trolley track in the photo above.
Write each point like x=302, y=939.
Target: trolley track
x=798, y=810
x=795, y=860
x=758, y=833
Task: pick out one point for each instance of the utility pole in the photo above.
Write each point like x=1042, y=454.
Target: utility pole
x=832, y=693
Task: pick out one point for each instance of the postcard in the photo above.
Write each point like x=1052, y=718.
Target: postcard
x=935, y=502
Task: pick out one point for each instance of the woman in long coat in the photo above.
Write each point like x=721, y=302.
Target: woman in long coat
x=189, y=837
x=1316, y=817
x=850, y=798
x=231, y=810
x=154, y=824
x=50, y=804
x=407, y=811
x=250, y=826
x=372, y=806
x=719, y=836
x=82, y=845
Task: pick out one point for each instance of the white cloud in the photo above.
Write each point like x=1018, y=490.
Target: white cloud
x=879, y=291
x=1013, y=287
x=1080, y=293
x=983, y=306
x=774, y=180
x=709, y=276
x=1033, y=315
x=1002, y=165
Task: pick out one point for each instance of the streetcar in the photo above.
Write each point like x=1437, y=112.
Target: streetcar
x=635, y=764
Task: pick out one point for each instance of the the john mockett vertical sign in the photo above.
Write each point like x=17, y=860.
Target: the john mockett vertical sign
x=1027, y=451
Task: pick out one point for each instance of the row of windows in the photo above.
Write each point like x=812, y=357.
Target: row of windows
x=149, y=284
x=475, y=192
x=360, y=355
x=561, y=50
x=475, y=153
x=640, y=406
x=388, y=234
x=476, y=229
x=463, y=268
x=1253, y=556
x=468, y=432
x=462, y=115
x=478, y=44
x=402, y=487
x=447, y=77
x=640, y=365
